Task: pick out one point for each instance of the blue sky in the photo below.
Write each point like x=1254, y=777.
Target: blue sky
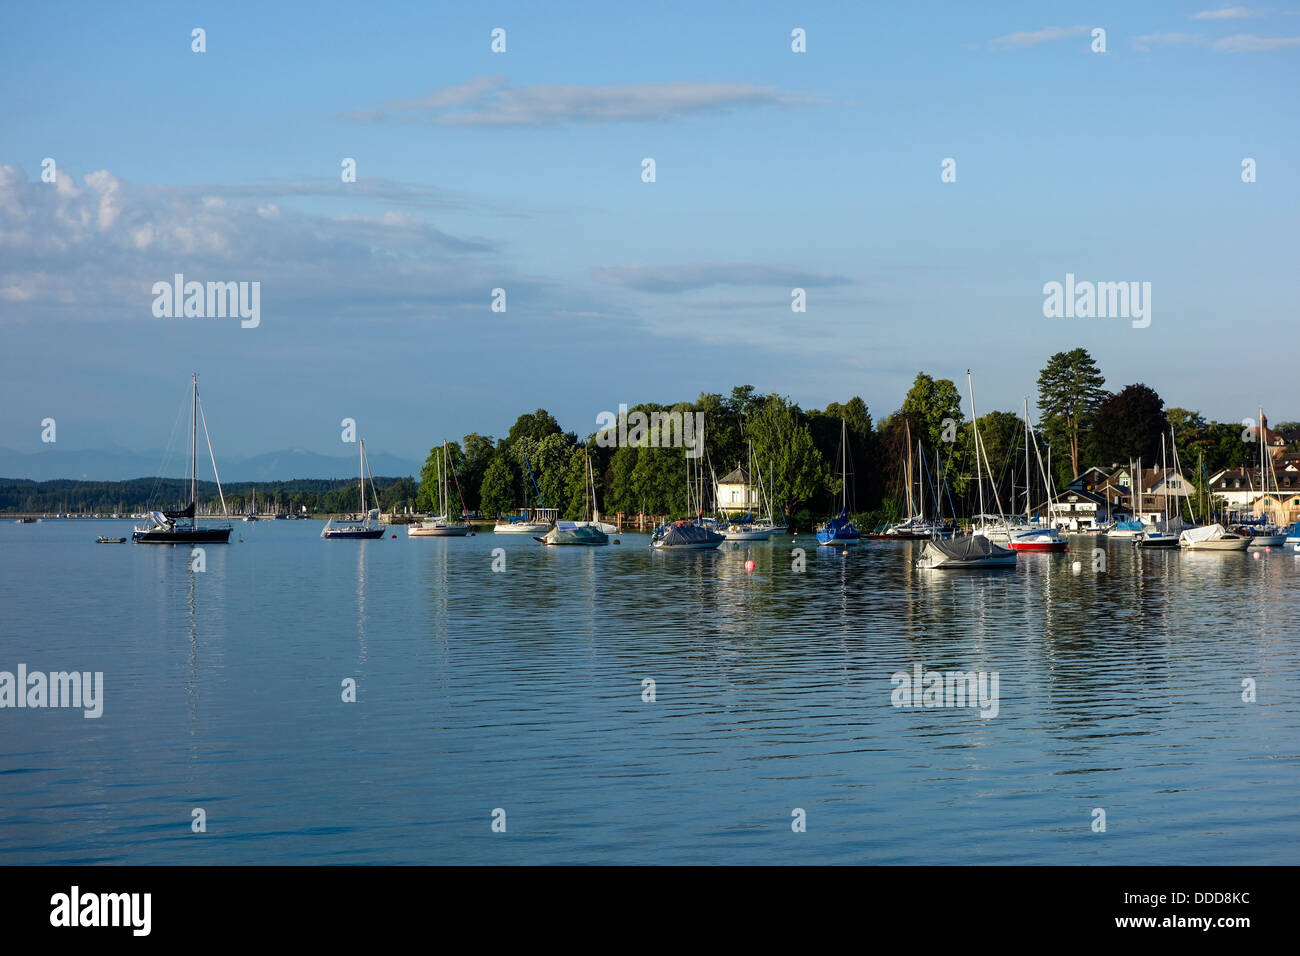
x=522, y=170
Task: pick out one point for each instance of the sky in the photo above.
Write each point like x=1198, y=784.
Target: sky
x=523, y=170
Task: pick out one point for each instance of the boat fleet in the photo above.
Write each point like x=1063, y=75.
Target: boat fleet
x=994, y=539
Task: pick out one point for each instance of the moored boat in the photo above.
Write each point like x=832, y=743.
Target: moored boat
x=181, y=526
x=441, y=525
x=368, y=527
x=966, y=552
x=1212, y=537
x=685, y=535
x=840, y=530
x=572, y=533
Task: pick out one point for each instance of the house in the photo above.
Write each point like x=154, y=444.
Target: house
x=1274, y=442
x=1239, y=491
x=1098, y=496
x=735, y=492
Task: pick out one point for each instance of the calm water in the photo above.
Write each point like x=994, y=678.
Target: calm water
x=522, y=690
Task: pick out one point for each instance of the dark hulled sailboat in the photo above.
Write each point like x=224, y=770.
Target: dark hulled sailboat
x=182, y=527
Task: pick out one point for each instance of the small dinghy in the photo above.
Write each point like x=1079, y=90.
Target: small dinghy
x=969, y=551
x=102, y=539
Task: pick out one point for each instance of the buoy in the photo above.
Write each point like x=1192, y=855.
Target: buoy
x=616, y=541
x=394, y=536
x=1076, y=567
x=1255, y=555
x=749, y=566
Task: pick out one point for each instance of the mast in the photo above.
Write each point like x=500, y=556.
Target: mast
x=1027, y=515
x=1263, y=482
x=361, y=475
x=974, y=420
x=911, y=506
x=844, y=465
x=1164, y=466
x=194, y=451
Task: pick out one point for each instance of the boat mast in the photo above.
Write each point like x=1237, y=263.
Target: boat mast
x=194, y=451
x=974, y=420
x=911, y=506
x=362, y=475
x=1263, y=482
x=844, y=464
x=1027, y=515
x=1164, y=467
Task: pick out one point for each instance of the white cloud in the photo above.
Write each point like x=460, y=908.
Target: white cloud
x=682, y=278
x=1227, y=13
x=1014, y=41
x=96, y=251
x=1248, y=43
x=493, y=101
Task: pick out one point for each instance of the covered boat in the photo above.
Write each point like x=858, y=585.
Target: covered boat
x=969, y=551
x=839, y=531
x=570, y=532
x=685, y=535
x=1212, y=537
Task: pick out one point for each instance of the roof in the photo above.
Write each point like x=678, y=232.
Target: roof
x=737, y=477
x=1247, y=479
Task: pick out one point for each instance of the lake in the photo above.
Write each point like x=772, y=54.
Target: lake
x=520, y=696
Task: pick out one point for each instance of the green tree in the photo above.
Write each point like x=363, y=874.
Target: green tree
x=782, y=437
x=1129, y=425
x=1070, y=392
x=535, y=425
x=479, y=451
x=929, y=404
x=497, y=494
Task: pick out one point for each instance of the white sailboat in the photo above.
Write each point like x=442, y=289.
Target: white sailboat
x=594, y=521
x=1266, y=534
x=441, y=525
x=533, y=521
x=749, y=530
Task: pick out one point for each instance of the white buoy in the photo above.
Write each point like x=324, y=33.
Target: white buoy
x=1076, y=567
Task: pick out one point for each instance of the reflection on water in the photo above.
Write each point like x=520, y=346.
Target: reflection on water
x=523, y=689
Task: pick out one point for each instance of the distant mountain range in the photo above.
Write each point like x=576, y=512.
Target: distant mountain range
x=121, y=464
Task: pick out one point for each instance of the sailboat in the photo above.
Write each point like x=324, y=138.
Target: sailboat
x=746, y=528
x=604, y=527
x=369, y=526
x=1265, y=533
x=252, y=509
x=1030, y=536
x=1158, y=537
x=1134, y=527
x=917, y=527
x=182, y=527
x=977, y=550
x=840, y=530
x=532, y=522
x=441, y=525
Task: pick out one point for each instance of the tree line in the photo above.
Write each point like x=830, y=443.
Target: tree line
x=539, y=463
x=1082, y=424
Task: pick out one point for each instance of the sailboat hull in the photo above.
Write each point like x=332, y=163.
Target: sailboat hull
x=437, y=531
x=355, y=533
x=175, y=536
